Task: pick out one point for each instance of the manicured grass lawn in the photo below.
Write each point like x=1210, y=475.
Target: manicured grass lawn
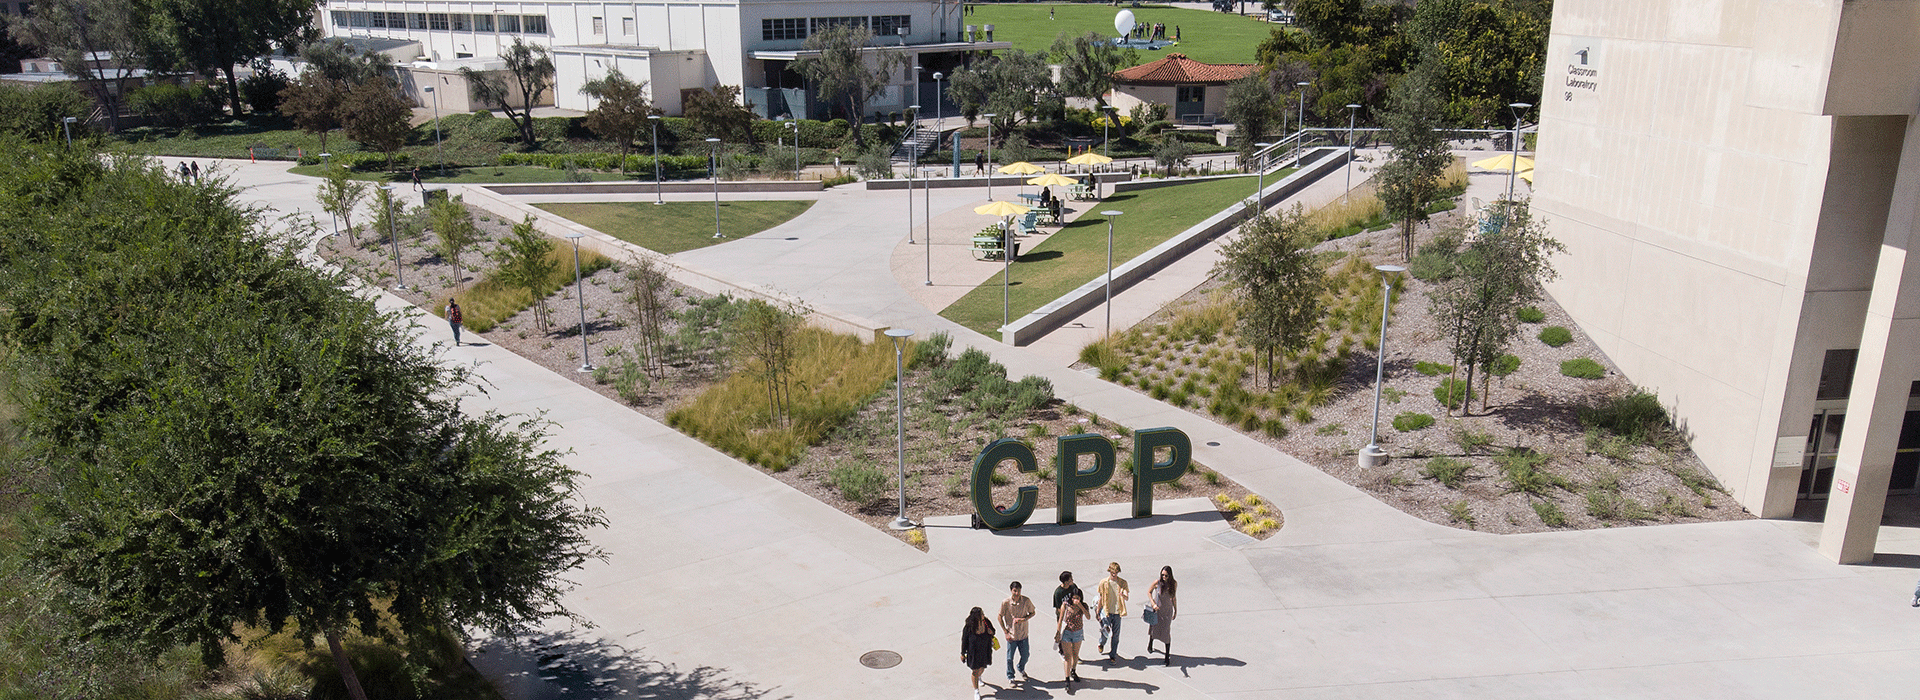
x=1208, y=37
x=676, y=226
x=1078, y=253
x=228, y=140
x=493, y=174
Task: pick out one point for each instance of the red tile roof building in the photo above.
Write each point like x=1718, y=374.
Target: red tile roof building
x=1177, y=69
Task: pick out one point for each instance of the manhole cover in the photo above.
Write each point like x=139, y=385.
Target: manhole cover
x=1232, y=538
x=880, y=659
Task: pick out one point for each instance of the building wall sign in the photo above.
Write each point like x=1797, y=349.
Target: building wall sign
x=1578, y=75
x=1160, y=455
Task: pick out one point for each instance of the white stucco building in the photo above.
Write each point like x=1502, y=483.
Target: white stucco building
x=1738, y=187
x=676, y=45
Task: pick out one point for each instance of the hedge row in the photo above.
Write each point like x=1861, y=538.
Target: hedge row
x=670, y=166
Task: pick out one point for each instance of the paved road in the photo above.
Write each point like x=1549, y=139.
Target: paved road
x=723, y=582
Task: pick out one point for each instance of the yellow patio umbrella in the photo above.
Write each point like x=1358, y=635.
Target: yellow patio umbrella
x=1504, y=163
x=1051, y=180
x=1089, y=158
x=1527, y=175
x=999, y=208
x=1021, y=168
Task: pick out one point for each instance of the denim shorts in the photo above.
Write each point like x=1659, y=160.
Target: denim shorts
x=1073, y=636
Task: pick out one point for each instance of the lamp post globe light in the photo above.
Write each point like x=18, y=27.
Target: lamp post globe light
x=393, y=234
x=1514, y=171
x=1372, y=454
x=913, y=162
x=990, y=170
x=713, y=146
x=1302, y=119
x=655, y=120
x=1110, y=213
x=939, y=111
x=900, y=522
x=580, y=295
x=437, y=152
x=1351, y=150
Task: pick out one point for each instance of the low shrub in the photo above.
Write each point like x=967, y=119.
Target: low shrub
x=1637, y=416
x=1556, y=336
x=1610, y=504
x=1448, y=471
x=1582, y=368
x=1505, y=365
x=1549, y=513
x=1521, y=471
x=1461, y=511
x=1409, y=422
x=832, y=376
x=860, y=482
x=1431, y=369
x=931, y=352
x=1530, y=314
x=1453, y=393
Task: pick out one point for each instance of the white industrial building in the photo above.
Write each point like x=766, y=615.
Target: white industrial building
x=1738, y=187
x=675, y=45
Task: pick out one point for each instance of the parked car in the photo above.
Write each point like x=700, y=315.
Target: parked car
x=1280, y=16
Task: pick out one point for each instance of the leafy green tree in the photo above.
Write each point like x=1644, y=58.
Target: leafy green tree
x=376, y=115
x=1492, y=54
x=1171, y=152
x=524, y=260
x=531, y=68
x=1087, y=64
x=341, y=196
x=761, y=339
x=1015, y=86
x=1252, y=107
x=453, y=231
x=621, y=116
x=73, y=30
x=647, y=289
x=313, y=100
x=847, y=71
x=212, y=36
x=38, y=112
x=1410, y=179
x=233, y=439
x=1278, y=281
x=718, y=113
x=1500, y=271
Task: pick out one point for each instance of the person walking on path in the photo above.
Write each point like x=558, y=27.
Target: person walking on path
x=453, y=319
x=979, y=162
x=1067, y=588
x=1110, y=598
x=1162, y=607
x=1015, y=611
x=1071, y=631
x=976, y=646
x=417, y=184
x=196, y=171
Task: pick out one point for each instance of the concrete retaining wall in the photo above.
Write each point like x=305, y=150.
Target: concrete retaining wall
x=1043, y=320
x=678, y=187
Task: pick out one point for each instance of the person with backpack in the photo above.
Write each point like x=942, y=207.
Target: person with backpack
x=453, y=319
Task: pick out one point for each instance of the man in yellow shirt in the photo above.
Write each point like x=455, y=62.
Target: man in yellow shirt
x=1015, y=611
x=1111, y=603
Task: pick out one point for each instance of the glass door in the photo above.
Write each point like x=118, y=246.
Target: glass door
x=1823, y=450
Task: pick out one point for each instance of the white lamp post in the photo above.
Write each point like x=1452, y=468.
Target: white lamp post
x=66, y=124
x=1513, y=173
x=1106, y=135
x=913, y=163
x=713, y=146
x=580, y=295
x=437, y=152
x=1110, y=213
x=939, y=111
x=900, y=522
x=1372, y=454
x=796, y=148
x=1351, y=150
x=990, y=169
x=655, y=119
x=1260, y=176
x=393, y=234
x=1302, y=119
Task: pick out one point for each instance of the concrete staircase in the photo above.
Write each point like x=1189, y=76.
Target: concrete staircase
x=916, y=145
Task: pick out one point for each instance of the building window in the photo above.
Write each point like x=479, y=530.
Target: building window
x=599, y=26
x=339, y=18
x=783, y=29
x=359, y=19
x=510, y=24
x=396, y=20
x=417, y=20
x=1836, y=375
x=462, y=23
x=483, y=23
x=462, y=54
x=820, y=24
x=626, y=26
x=377, y=20
x=890, y=25
x=534, y=24
x=437, y=21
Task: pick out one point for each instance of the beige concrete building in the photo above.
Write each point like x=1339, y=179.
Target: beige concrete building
x=1738, y=187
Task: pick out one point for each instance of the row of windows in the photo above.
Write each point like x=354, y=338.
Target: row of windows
x=794, y=28
x=510, y=24
x=600, y=26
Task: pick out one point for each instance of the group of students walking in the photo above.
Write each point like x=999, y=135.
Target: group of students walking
x=979, y=638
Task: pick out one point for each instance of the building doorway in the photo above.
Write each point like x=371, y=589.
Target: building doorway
x=1189, y=103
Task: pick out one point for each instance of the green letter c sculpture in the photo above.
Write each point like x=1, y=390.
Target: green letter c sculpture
x=1025, y=498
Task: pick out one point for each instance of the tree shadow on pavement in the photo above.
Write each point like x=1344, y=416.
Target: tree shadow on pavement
x=570, y=665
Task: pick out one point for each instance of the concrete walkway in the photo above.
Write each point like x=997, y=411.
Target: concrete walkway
x=723, y=582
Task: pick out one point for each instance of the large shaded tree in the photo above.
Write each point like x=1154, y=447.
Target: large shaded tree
x=1498, y=272
x=1254, y=111
x=1087, y=63
x=1277, y=281
x=74, y=31
x=212, y=36
x=227, y=437
x=377, y=116
x=530, y=70
x=1014, y=86
x=847, y=71
x=314, y=100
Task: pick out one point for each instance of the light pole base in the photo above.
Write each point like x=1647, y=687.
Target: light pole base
x=586, y=367
x=902, y=523
x=929, y=283
x=1372, y=456
x=657, y=203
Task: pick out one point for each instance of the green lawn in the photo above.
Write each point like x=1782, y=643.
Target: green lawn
x=676, y=226
x=1078, y=253
x=1209, y=37
x=494, y=174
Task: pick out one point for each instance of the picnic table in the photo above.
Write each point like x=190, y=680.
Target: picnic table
x=1081, y=193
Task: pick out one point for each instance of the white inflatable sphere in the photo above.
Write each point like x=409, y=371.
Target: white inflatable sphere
x=1123, y=23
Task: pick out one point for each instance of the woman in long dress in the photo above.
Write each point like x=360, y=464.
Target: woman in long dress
x=1165, y=608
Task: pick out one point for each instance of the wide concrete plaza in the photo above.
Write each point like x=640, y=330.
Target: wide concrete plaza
x=723, y=582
